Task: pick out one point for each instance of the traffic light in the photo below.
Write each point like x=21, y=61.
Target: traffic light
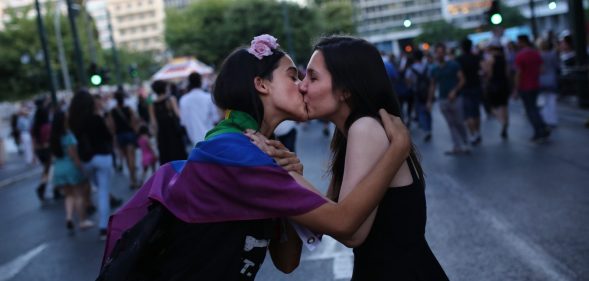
x=95, y=75
x=494, y=15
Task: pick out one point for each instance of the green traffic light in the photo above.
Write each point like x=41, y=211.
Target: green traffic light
x=496, y=19
x=96, y=80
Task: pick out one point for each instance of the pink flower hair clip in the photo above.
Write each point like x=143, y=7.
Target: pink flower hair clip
x=262, y=46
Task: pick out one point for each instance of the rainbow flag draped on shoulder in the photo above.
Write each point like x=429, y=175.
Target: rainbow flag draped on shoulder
x=225, y=178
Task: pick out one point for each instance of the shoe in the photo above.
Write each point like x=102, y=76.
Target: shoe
x=539, y=139
x=477, y=141
x=86, y=224
x=504, y=133
x=102, y=234
x=41, y=192
x=428, y=137
x=70, y=227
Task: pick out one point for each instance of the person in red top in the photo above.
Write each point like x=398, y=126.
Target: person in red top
x=528, y=63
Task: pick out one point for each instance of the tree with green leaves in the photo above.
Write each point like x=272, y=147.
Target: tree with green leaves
x=440, y=31
x=337, y=17
x=22, y=72
x=211, y=29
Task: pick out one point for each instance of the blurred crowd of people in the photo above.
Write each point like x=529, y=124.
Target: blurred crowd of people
x=465, y=79
x=81, y=141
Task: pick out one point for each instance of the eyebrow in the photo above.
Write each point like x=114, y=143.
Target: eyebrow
x=293, y=69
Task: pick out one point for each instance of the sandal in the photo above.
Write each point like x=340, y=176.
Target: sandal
x=86, y=224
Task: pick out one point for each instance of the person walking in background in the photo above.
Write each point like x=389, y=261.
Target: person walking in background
x=165, y=120
x=549, y=82
x=418, y=79
x=495, y=70
x=40, y=133
x=447, y=78
x=148, y=155
x=567, y=65
x=24, y=127
x=528, y=63
x=400, y=88
x=67, y=172
x=95, y=145
x=15, y=132
x=471, y=92
x=125, y=125
x=198, y=113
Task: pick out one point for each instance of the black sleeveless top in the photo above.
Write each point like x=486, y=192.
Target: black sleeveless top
x=395, y=248
x=122, y=119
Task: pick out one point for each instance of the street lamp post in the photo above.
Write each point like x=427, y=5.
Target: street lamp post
x=43, y=38
x=77, y=48
x=533, y=20
x=287, y=31
x=113, y=47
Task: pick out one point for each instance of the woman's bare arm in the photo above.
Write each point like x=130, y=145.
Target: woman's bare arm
x=342, y=220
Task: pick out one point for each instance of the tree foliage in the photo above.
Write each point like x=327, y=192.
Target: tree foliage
x=22, y=68
x=440, y=31
x=211, y=29
x=337, y=18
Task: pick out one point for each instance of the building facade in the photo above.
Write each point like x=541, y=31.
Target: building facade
x=137, y=25
x=387, y=23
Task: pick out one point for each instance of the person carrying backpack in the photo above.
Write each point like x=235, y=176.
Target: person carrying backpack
x=418, y=80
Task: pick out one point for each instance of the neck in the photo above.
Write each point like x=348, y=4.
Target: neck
x=339, y=119
x=269, y=125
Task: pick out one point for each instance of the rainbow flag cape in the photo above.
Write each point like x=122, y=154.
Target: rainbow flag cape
x=225, y=178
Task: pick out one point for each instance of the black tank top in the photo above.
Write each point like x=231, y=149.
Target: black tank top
x=395, y=248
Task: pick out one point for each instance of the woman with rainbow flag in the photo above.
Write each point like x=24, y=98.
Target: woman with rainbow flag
x=212, y=216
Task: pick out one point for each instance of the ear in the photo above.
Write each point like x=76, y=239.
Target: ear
x=344, y=95
x=260, y=85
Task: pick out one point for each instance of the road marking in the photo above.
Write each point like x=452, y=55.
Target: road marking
x=19, y=177
x=343, y=258
x=532, y=254
x=12, y=268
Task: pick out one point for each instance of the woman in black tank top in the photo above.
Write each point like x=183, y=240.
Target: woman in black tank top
x=391, y=244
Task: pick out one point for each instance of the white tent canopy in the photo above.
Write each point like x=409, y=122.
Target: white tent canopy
x=180, y=68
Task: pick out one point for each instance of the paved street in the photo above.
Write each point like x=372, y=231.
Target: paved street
x=509, y=211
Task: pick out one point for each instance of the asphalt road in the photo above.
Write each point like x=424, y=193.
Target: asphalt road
x=509, y=211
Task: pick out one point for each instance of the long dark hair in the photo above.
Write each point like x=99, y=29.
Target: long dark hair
x=80, y=111
x=58, y=130
x=357, y=68
x=234, y=87
x=40, y=118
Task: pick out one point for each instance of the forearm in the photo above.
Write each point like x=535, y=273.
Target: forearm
x=286, y=255
x=341, y=220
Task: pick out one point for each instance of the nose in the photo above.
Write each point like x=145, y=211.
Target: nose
x=303, y=87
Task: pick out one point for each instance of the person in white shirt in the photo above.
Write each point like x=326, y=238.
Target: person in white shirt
x=198, y=113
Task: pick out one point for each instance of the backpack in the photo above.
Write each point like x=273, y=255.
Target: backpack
x=422, y=84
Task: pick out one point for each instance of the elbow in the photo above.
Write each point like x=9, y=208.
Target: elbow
x=344, y=232
x=352, y=242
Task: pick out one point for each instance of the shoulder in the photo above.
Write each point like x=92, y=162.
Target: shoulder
x=366, y=128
